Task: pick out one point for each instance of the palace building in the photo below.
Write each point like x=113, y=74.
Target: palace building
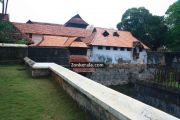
x=90, y=44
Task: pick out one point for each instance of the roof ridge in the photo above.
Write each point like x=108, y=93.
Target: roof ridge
x=67, y=41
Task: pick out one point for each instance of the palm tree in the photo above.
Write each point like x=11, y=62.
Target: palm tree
x=2, y=1
x=4, y=6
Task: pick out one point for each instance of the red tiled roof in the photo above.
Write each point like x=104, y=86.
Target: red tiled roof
x=125, y=39
x=75, y=42
x=78, y=44
x=53, y=41
x=57, y=30
x=70, y=40
x=42, y=23
x=60, y=41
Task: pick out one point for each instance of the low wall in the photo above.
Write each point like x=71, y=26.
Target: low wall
x=12, y=53
x=37, y=69
x=102, y=102
x=58, y=55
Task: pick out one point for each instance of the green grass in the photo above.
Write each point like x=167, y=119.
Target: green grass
x=26, y=98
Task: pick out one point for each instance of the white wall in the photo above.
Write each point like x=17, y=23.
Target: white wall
x=37, y=38
x=102, y=55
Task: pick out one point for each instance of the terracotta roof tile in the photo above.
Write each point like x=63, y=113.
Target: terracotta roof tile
x=69, y=41
x=42, y=23
x=60, y=41
x=78, y=44
x=46, y=29
x=75, y=42
x=53, y=41
x=125, y=39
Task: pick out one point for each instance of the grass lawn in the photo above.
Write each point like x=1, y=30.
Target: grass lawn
x=26, y=98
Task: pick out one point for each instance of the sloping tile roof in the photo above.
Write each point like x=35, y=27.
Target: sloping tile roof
x=57, y=30
x=75, y=42
x=60, y=41
x=42, y=23
x=70, y=40
x=77, y=20
x=53, y=41
x=78, y=44
x=125, y=39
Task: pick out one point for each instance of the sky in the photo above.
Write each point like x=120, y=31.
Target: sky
x=98, y=13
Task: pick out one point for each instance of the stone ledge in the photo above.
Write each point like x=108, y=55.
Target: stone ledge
x=118, y=105
x=12, y=45
x=37, y=69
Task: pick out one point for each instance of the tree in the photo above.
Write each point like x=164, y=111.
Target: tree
x=173, y=23
x=4, y=6
x=2, y=2
x=144, y=26
x=6, y=30
x=9, y=34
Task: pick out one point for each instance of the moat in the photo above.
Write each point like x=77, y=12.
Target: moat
x=163, y=100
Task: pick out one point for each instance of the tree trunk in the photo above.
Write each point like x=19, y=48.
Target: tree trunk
x=2, y=6
x=6, y=6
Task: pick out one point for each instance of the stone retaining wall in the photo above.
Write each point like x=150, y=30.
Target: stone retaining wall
x=122, y=74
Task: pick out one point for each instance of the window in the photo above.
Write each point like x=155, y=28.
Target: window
x=105, y=33
x=114, y=48
x=116, y=34
x=100, y=47
x=122, y=49
x=140, y=49
x=128, y=49
x=107, y=48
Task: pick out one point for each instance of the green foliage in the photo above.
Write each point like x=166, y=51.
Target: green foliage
x=144, y=26
x=23, y=41
x=6, y=30
x=173, y=22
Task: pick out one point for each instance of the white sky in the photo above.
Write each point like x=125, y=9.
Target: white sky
x=99, y=13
